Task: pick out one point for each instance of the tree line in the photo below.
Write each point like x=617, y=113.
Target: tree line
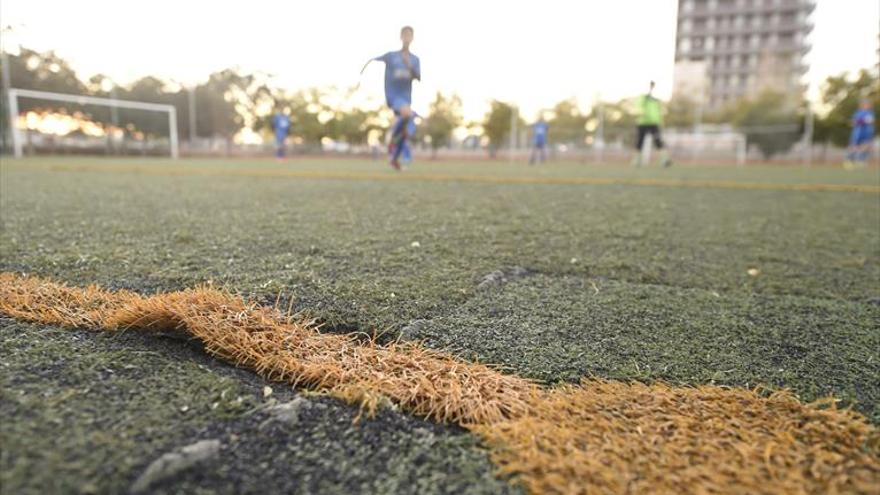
x=230, y=100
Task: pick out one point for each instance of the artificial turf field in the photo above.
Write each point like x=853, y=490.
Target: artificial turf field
x=555, y=273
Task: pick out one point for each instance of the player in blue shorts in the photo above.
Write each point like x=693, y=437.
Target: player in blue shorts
x=539, y=141
x=281, y=126
x=401, y=68
x=862, y=135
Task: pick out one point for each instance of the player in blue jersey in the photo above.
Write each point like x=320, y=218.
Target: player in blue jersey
x=281, y=126
x=539, y=141
x=401, y=68
x=861, y=136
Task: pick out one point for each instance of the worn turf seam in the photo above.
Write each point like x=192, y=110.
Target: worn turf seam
x=597, y=437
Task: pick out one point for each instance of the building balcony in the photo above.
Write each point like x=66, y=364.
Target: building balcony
x=744, y=49
x=803, y=27
x=716, y=91
x=724, y=70
x=800, y=68
x=806, y=6
x=745, y=70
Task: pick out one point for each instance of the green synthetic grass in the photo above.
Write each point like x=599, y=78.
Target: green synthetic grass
x=86, y=413
x=616, y=281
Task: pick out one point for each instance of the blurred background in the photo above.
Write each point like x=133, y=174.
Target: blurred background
x=743, y=81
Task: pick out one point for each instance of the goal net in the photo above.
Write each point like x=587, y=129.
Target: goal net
x=43, y=122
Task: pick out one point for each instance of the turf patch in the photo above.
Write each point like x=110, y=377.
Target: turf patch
x=599, y=436
x=555, y=329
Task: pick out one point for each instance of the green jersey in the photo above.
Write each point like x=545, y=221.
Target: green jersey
x=651, y=111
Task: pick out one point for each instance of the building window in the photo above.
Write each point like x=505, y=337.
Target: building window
x=684, y=45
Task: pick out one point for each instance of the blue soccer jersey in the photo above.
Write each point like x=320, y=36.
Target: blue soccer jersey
x=863, y=126
x=539, y=131
x=399, y=78
x=281, y=124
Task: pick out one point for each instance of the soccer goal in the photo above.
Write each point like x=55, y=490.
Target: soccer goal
x=36, y=118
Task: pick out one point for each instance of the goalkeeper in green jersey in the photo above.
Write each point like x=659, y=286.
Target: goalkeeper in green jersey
x=650, y=121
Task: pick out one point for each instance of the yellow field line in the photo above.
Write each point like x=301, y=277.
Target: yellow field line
x=437, y=177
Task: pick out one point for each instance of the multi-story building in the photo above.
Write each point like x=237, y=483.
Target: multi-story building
x=728, y=49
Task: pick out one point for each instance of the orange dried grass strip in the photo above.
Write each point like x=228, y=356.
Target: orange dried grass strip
x=259, y=338
x=613, y=437
x=599, y=437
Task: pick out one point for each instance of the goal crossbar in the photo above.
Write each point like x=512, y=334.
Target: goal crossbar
x=15, y=93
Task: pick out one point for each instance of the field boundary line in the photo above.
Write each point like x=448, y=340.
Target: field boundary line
x=161, y=170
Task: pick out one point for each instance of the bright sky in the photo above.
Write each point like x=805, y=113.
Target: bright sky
x=533, y=53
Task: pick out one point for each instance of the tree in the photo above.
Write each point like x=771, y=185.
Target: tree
x=352, y=126
x=770, y=121
x=149, y=89
x=681, y=112
x=222, y=103
x=304, y=106
x=44, y=71
x=341, y=120
x=841, y=94
x=568, y=124
x=444, y=117
x=496, y=125
x=619, y=121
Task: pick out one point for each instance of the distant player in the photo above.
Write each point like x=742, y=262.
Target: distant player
x=401, y=68
x=539, y=141
x=650, y=121
x=861, y=136
x=281, y=126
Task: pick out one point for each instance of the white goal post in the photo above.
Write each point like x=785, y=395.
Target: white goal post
x=15, y=93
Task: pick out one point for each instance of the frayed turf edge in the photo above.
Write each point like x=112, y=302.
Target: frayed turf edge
x=601, y=436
